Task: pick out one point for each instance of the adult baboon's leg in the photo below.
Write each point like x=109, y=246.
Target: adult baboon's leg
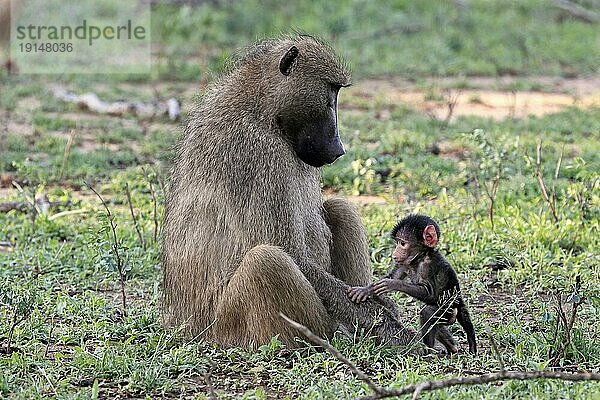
x=267, y=282
x=445, y=337
x=350, y=247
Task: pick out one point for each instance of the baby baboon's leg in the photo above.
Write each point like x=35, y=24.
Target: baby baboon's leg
x=445, y=338
x=432, y=328
x=266, y=283
x=350, y=248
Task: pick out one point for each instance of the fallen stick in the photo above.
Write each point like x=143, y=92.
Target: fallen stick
x=91, y=102
x=577, y=11
x=21, y=206
x=416, y=389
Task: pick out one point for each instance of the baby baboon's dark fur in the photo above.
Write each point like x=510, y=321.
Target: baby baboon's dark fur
x=423, y=273
x=246, y=232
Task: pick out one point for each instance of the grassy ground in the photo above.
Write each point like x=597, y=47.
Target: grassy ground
x=61, y=290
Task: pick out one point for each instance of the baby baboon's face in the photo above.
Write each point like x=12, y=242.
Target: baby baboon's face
x=406, y=247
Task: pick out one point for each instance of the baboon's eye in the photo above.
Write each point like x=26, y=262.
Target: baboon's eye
x=400, y=242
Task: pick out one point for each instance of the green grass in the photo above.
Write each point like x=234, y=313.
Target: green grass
x=75, y=341
x=58, y=273
x=388, y=37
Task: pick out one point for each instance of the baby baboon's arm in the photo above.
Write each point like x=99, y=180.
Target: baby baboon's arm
x=423, y=292
x=464, y=319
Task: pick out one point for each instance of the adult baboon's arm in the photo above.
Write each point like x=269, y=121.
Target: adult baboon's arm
x=370, y=315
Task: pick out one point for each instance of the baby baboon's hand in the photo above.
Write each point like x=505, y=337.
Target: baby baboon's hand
x=383, y=286
x=358, y=294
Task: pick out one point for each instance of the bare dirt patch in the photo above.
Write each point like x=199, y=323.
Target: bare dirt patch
x=485, y=97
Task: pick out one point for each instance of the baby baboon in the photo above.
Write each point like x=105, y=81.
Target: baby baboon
x=423, y=273
x=246, y=233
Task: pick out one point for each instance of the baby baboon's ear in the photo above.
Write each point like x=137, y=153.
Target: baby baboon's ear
x=287, y=61
x=430, y=237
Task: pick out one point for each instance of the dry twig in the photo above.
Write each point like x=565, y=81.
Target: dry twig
x=496, y=351
x=483, y=379
x=451, y=102
x=567, y=323
x=577, y=11
x=416, y=389
x=154, y=202
x=66, y=154
x=334, y=352
x=550, y=198
x=451, y=99
x=135, y=221
x=91, y=102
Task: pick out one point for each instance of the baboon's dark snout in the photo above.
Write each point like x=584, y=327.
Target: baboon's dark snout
x=337, y=150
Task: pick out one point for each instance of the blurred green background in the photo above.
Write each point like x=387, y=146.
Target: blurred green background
x=390, y=37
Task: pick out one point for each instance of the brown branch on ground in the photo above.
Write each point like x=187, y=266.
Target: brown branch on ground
x=20, y=206
x=416, y=389
x=577, y=11
x=92, y=103
x=334, y=352
x=483, y=379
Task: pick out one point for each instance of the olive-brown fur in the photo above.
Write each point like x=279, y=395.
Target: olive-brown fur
x=246, y=233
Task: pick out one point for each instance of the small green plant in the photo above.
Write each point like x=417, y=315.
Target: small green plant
x=585, y=190
x=19, y=303
x=563, y=323
x=110, y=248
x=548, y=194
x=489, y=163
x=364, y=176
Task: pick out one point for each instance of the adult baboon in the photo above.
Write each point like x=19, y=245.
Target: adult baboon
x=246, y=233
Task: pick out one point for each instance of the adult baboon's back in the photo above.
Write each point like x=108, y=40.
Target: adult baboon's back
x=246, y=233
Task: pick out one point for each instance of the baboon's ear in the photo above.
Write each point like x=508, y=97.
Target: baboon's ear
x=430, y=237
x=287, y=61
